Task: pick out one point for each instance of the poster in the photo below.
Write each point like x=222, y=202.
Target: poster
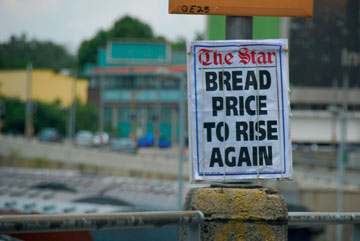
x=238, y=108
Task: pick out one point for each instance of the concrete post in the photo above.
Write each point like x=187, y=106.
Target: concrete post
x=238, y=214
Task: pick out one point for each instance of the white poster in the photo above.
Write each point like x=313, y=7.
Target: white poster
x=239, y=110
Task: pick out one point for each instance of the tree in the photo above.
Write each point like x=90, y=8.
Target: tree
x=125, y=28
x=18, y=51
x=50, y=115
x=14, y=117
x=86, y=116
x=128, y=27
x=179, y=44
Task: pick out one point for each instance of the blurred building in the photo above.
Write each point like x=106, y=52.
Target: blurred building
x=46, y=86
x=324, y=51
x=139, y=99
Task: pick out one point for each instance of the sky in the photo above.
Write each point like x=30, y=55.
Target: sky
x=69, y=22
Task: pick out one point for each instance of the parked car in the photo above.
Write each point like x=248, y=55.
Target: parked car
x=101, y=139
x=84, y=138
x=164, y=144
x=123, y=145
x=50, y=135
x=146, y=141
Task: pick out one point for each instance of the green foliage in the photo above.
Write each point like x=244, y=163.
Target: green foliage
x=88, y=49
x=14, y=154
x=179, y=44
x=200, y=36
x=50, y=115
x=47, y=115
x=86, y=116
x=125, y=28
x=14, y=117
x=128, y=27
x=41, y=162
x=18, y=51
x=109, y=129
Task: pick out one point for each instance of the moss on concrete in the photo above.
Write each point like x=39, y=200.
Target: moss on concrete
x=239, y=213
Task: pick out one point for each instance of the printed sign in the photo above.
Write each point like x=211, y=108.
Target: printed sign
x=239, y=110
x=137, y=53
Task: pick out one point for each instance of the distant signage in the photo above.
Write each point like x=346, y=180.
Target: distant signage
x=350, y=58
x=283, y=8
x=239, y=110
x=119, y=52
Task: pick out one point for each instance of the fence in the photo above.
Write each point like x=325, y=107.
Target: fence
x=299, y=218
x=75, y=222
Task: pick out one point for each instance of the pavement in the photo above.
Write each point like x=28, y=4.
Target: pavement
x=150, y=161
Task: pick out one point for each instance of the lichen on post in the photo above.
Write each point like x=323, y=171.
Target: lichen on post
x=239, y=213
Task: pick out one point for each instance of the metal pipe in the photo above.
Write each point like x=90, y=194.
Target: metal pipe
x=239, y=27
x=74, y=222
x=182, y=119
x=341, y=153
x=324, y=218
x=71, y=121
x=28, y=110
x=101, y=101
x=194, y=232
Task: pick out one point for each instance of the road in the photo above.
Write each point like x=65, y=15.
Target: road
x=150, y=161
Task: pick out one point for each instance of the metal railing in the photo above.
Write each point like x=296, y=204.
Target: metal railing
x=192, y=219
x=76, y=222
x=300, y=218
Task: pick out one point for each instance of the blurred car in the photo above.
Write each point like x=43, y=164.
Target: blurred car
x=164, y=144
x=101, y=139
x=146, y=141
x=50, y=135
x=84, y=138
x=123, y=145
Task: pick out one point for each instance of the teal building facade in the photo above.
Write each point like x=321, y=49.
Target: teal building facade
x=138, y=100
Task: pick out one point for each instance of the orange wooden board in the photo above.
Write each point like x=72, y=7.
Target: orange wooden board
x=279, y=8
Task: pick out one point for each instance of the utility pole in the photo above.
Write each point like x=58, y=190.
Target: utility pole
x=2, y=113
x=101, y=101
x=239, y=27
x=182, y=120
x=72, y=120
x=341, y=152
x=334, y=113
x=28, y=109
x=73, y=108
x=133, y=117
x=157, y=118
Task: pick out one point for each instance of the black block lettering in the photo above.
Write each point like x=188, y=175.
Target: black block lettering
x=216, y=157
x=210, y=80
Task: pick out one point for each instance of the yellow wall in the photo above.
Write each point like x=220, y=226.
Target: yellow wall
x=47, y=86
